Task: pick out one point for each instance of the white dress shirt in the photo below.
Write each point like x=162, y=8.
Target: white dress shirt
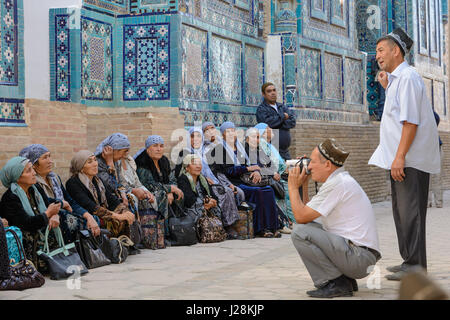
x=346, y=210
x=406, y=100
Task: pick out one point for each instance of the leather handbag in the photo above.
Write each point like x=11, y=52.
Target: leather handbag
x=278, y=188
x=244, y=226
x=182, y=227
x=89, y=250
x=13, y=248
x=115, y=249
x=210, y=228
x=245, y=178
x=64, y=261
x=23, y=275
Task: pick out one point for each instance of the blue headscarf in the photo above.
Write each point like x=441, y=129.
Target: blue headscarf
x=261, y=127
x=117, y=141
x=207, y=124
x=151, y=140
x=206, y=170
x=228, y=125
x=9, y=175
x=33, y=152
x=270, y=150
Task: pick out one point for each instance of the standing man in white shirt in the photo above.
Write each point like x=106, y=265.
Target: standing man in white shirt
x=346, y=244
x=408, y=147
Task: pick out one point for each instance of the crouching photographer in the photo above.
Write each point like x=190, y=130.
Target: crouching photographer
x=345, y=245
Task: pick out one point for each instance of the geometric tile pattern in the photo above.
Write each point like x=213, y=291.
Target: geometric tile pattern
x=116, y=6
x=152, y=6
x=12, y=111
x=96, y=60
x=309, y=73
x=333, y=76
x=226, y=71
x=353, y=86
x=194, y=63
x=254, y=75
x=240, y=119
x=62, y=58
x=8, y=43
x=146, y=66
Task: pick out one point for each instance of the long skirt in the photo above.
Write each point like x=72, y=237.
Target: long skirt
x=265, y=215
x=227, y=204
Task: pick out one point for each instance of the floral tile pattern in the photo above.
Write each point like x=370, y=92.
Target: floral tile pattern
x=254, y=75
x=62, y=58
x=117, y=6
x=8, y=43
x=146, y=65
x=96, y=60
x=333, y=76
x=226, y=71
x=194, y=72
x=12, y=111
x=309, y=73
x=353, y=77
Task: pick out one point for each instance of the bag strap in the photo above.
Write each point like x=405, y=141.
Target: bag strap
x=59, y=238
x=125, y=240
x=19, y=244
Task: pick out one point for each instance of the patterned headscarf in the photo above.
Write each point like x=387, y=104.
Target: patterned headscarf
x=33, y=152
x=9, y=175
x=187, y=161
x=207, y=124
x=117, y=141
x=151, y=140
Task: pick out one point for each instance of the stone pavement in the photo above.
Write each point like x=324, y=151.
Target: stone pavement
x=251, y=269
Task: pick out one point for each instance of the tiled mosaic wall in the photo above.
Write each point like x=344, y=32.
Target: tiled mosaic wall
x=205, y=59
x=12, y=83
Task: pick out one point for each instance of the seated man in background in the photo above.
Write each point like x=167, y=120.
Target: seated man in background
x=346, y=244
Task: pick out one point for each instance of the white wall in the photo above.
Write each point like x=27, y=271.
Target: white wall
x=274, y=65
x=36, y=45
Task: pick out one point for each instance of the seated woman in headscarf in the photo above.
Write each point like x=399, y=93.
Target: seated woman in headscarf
x=153, y=170
x=258, y=157
x=73, y=217
x=89, y=191
x=231, y=159
x=224, y=192
x=198, y=194
x=265, y=138
x=26, y=208
x=211, y=138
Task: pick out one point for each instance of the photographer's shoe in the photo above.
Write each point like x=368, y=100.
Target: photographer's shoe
x=339, y=287
x=354, y=283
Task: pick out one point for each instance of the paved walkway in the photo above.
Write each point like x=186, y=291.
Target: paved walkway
x=250, y=269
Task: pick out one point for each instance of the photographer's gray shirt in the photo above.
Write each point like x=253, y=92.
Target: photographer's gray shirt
x=346, y=210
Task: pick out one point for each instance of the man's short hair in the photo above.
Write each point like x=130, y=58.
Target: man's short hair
x=265, y=85
x=392, y=43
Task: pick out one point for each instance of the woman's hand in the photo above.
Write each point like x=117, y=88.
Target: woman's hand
x=150, y=196
x=53, y=222
x=177, y=191
x=210, y=204
x=124, y=199
x=92, y=224
x=139, y=193
x=53, y=209
x=170, y=198
x=253, y=168
x=5, y=223
x=107, y=154
x=66, y=206
x=277, y=176
x=232, y=187
x=256, y=177
x=210, y=181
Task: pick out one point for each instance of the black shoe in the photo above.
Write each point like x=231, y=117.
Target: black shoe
x=133, y=250
x=140, y=246
x=339, y=287
x=354, y=283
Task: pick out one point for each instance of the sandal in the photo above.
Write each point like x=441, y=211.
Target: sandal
x=265, y=234
x=277, y=234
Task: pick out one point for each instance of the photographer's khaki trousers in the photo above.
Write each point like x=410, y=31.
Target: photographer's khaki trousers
x=328, y=256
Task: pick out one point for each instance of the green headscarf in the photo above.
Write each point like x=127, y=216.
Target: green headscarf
x=187, y=161
x=9, y=175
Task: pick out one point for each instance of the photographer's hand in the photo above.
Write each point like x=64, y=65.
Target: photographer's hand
x=297, y=178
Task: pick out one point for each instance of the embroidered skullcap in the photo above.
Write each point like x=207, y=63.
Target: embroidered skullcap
x=33, y=152
x=117, y=141
x=207, y=124
x=226, y=125
x=12, y=170
x=401, y=39
x=261, y=127
x=78, y=161
x=333, y=151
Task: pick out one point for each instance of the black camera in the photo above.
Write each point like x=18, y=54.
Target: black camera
x=303, y=162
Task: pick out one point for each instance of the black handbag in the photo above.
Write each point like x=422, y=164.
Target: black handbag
x=182, y=227
x=89, y=250
x=115, y=249
x=278, y=188
x=64, y=261
x=23, y=275
x=245, y=178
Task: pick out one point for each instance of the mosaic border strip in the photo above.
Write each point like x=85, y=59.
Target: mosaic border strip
x=9, y=39
x=12, y=111
x=116, y=6
x=62, y=57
